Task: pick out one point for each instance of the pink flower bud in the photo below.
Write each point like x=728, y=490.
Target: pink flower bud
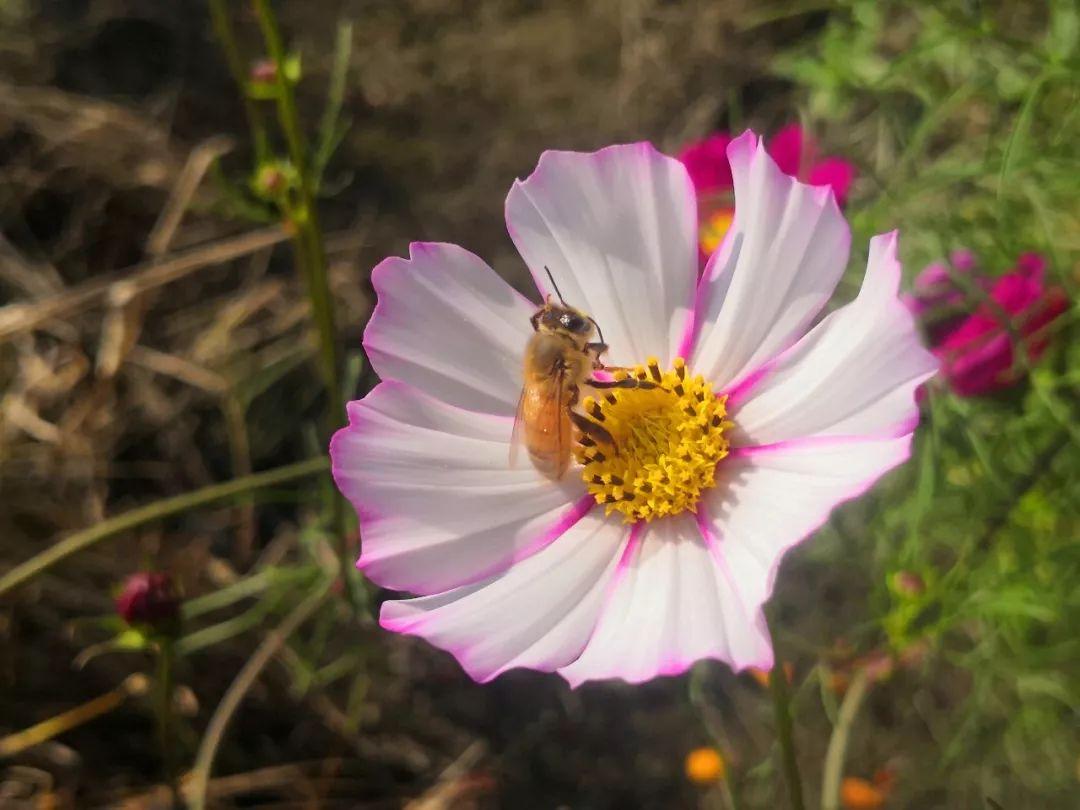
x=270, y=180
x=908, y=583
x=263, y=71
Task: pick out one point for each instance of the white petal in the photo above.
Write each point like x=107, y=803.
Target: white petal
x=538, y=614
x=768, y=499
x=854, y=374
x=671, y=604
x=778, y=265
x=447, y=324
x=618, y=230
x=439, y=505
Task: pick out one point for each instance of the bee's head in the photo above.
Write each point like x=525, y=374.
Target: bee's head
x=563, y=320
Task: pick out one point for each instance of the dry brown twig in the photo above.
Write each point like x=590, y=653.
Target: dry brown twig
x=199, y=161
x=240, y=686
x=100, y=137
x=17, y=318
x=455, y=783
x=127, y=304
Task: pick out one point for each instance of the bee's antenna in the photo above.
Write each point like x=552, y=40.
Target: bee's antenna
x=556, y=286
x=599, y=331
x=558, y=292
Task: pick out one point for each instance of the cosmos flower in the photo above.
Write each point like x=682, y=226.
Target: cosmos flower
x=935, y=289
x=794, y=151
x=661, y=548
x=862, y=794
x=704, y=766
x=976, y=350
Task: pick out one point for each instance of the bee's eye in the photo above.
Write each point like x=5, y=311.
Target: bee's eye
x=572, y=322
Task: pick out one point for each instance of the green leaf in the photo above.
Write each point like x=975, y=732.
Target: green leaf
x=332, y=129
x=1064, y=30
x=1047, y=685
x=1018, y=136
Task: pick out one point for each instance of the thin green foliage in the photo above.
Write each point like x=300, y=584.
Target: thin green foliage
x=963, y=117
x=157, y=511
x=290, y=183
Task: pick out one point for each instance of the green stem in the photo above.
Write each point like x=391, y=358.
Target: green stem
x=311, y=252
x=223, y=631
x=834, y=757
x=230, y=594
x=156, y=511
x=782, y=710
x=727, y=794
x=240, y=453
x=165, y=659
x=305, y=216
x=318, y=280
x=714, y=727
x=224, y=31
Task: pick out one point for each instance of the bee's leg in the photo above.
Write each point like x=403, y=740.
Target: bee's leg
x=613, y=369
x=595, y=432
x=628, y=382
x=591, y=431
x=595, y=350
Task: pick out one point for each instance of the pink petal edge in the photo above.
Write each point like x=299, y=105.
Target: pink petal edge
x=858, y=488
x=717, y=276
x=500, y=624
x=884, y=260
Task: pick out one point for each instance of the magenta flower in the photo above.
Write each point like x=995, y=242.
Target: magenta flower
x=661, y=547
x=977, y=353
x=707, y=163
x=149, y=598
x=794, y=152
x=935, y=291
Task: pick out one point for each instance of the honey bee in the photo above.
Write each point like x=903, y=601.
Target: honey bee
x=560, y=359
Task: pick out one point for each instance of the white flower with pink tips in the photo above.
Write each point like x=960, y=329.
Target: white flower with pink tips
x=512, y=569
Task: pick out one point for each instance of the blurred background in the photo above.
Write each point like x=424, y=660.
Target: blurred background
x=192, y=196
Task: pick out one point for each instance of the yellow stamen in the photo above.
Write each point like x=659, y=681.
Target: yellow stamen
x=667, y=440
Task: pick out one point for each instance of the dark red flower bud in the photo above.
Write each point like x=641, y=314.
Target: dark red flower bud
x=149, y=598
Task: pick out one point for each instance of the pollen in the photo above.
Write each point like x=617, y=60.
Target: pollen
x=667, y=436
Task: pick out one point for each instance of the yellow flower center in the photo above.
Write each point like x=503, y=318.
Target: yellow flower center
x=714, y=228
x=667, y=438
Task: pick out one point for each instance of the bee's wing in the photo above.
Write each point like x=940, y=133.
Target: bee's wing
x=560, y=411
x=516, y=435
x=544, y=403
